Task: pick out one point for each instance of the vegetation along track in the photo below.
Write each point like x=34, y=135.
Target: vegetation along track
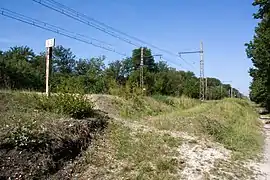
x=265, y=165
x=41, y=138
x=213, y=140
x=139, y=138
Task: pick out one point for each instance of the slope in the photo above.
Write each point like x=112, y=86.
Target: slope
x=170, y=138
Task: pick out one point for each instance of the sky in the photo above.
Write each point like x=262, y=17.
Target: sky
x=174, y=25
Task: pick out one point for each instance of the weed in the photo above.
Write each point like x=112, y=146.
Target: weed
x=77, y=106
x=232, y=122
x=150, y=154
x=37, y=144
x=171, y=141
x=178, y=103
x=165, y=99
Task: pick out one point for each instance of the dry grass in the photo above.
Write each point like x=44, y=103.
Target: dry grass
x=232, y=122
x=132, y=151
x=128, y=154
x=36, y=144
x=145, y=143
x=141, y=106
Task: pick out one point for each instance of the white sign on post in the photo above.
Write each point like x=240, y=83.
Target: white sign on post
x=50, y=43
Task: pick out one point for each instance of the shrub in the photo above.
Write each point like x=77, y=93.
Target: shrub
x=77, y=106
x=164, y=99
x=234, y=123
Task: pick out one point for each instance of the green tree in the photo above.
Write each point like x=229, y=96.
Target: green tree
x=118, y=72
x=258, y=50
x=21, y=68
x=148, y=59
x=63, y=60
x=94, y=79
x=17, y=71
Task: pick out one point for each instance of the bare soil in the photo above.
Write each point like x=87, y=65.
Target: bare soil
x=265, y=165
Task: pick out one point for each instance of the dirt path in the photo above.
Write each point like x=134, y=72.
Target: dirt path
x=265, y=166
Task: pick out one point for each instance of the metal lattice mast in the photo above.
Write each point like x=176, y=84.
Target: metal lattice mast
x=202, y=81
x=202, y=84
x=141, y=69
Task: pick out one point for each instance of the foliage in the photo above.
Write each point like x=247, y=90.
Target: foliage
x=179, y=103
x=63, y=60
x=36, y=144
x=258, y=50
x=21, y=68
x=234, y=124
x=231, y=122
x=75, y=105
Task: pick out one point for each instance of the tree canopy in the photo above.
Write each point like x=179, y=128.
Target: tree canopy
x=21, y=68
x=258, y=50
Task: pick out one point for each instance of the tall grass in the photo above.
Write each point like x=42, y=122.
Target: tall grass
x=179, y=103
x=232, y=122
x=38, y=135
x=138, y=106
x=75, y=105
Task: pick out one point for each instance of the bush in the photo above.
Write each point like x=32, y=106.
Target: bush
x=36, y=144
x=234, y=123
x=164, y=99
x=181, y=102
x=68, y=85
x=77, y=106
x=127, y=91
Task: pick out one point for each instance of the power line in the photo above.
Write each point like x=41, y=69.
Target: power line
x=48, y=27
x=65, y=10
x=188, y=63
x=45, y=26
x=81, y=15
x=109, y=27
x=53, y=26
x=76, y=16
x=202, y=81
x=58, y=30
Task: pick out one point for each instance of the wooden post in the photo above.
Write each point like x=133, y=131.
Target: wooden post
x=49, y=45
x=48, y=66
x=141, y=70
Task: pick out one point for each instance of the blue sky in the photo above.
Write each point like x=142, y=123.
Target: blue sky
x=175, y=25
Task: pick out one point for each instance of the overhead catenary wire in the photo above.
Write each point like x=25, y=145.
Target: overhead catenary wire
x=110, y=27
x=52, y=28
x=60, y=31
x=188, y=63
x=170, y=62
x=107, y=26
x=57, y=27
x=65, y=10
x=77, y=17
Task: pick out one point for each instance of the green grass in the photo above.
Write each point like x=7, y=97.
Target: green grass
x=140, y=155
x=232, y=122
x=40, y=141
x=179, y=103
x=74, y=105
x=143, y=106
x=28, y=121
x=134, y=154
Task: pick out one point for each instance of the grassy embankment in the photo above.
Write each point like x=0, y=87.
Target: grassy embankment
x=147, y=147
x=40, y=136
x=144, y=147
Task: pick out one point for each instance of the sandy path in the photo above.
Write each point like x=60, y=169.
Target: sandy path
x=265, y=166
